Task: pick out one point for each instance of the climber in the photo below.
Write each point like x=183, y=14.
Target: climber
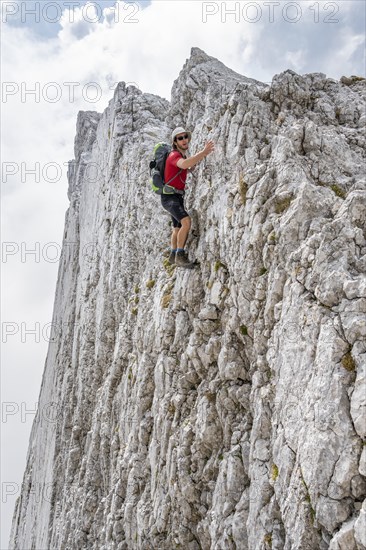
x=178, y=163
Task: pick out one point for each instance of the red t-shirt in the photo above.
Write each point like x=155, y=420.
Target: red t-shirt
x=171, y=169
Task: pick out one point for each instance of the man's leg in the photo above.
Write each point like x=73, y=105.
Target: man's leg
x=174, y=239
x=181, y=221
x=181, y=258
x=183, y=232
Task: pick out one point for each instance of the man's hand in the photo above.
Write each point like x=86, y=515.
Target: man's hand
x=185, y=164
x=209, y=147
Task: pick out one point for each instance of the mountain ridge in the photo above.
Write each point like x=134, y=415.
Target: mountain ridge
x=224, y=407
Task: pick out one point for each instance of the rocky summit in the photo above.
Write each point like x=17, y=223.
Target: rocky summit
x=222, y=407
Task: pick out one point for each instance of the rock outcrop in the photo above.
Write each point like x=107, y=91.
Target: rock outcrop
x=221, y=407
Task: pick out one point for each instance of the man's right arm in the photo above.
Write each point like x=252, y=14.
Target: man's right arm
x=192, y=161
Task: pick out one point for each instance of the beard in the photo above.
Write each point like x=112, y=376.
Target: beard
x=183, y=147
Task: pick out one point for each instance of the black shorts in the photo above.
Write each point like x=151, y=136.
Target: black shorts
x=174, y=204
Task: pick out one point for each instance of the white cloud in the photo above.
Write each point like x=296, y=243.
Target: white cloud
x=351, y=46
x=296, y=60
x=149, y=52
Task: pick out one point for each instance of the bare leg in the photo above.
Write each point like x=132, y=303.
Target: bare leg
x=173, y=242
x=183, y=232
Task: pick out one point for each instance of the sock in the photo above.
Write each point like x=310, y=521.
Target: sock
x=180, y=250
x=173, y=250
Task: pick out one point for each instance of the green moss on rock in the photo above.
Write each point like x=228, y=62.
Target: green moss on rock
x=274, y=472
x=348, y=362
x=338, y=191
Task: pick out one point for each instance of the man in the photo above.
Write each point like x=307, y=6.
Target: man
x=176, y=168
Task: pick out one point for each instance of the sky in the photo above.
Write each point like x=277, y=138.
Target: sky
x=60, y=57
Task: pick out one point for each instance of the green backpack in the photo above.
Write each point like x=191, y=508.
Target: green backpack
x=157, y=169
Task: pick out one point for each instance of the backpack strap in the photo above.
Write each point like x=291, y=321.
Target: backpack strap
x=170, y=189
x=177, y=174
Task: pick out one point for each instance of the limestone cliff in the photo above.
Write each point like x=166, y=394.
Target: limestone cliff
x=224, y=407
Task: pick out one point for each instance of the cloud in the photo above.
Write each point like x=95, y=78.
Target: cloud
x=296, y=60
x=43, y=18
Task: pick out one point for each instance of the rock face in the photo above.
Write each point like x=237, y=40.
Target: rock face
x=222, y=407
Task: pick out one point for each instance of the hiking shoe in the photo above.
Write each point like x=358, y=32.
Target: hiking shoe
x=181, y=260
x=171, y=258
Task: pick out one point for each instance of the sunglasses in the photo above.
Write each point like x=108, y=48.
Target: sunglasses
x=180, y=138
